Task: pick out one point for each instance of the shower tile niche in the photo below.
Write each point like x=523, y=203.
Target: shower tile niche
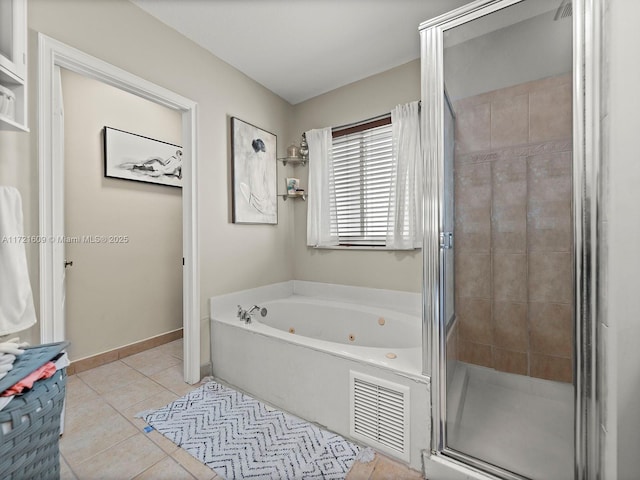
x=513, y=229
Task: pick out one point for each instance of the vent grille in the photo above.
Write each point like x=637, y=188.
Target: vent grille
x=380, y=414
x=564, y=10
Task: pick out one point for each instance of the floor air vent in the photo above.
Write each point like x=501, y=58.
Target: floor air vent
x=380, y=414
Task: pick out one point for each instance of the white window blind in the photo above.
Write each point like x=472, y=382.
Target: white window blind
x=361, y=187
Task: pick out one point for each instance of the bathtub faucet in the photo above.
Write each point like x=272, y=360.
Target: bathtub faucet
x=245, y=315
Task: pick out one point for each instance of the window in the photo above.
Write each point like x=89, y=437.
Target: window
x=367, y=183
x=361, y=183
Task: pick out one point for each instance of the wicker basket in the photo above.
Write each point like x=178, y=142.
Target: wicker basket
x=30, y=431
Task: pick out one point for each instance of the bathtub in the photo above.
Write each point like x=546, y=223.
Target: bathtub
x=314, y=348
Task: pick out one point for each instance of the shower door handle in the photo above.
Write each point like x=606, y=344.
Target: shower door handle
x=446, y=240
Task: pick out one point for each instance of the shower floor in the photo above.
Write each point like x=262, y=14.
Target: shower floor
x=518, y=423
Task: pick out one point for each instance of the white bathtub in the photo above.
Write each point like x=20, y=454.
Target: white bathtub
x=315, y=337
x=342, y=323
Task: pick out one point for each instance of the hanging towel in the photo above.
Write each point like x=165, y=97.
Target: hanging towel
x=16, y=299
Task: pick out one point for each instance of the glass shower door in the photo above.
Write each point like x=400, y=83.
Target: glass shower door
x=506, y=298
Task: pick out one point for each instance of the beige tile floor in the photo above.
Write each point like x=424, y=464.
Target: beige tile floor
x=103, y=440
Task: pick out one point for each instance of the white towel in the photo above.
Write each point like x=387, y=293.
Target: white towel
x=7, y=359
x=16, y=299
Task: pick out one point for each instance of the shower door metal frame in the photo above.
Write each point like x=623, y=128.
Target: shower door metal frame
x=587, y=41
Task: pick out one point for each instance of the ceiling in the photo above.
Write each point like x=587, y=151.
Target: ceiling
x=299, y=49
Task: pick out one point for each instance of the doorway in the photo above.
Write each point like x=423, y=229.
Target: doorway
x=123, y=237
x=54, y=54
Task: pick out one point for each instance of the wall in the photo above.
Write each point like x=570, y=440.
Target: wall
x=620, y=224
x=144, y=273
x=513, y=194
x=232, y=256
x=479, y=65
x=364, y=99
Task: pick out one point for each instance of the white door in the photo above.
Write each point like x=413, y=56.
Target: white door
x=60, y=262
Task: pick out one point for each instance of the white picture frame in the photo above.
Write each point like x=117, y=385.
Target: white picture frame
x=253, y=157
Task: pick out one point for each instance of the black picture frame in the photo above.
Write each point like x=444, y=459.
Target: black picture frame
x=129, y=156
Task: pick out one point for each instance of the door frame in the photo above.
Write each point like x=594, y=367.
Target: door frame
x=52, y=53
x=587, y=205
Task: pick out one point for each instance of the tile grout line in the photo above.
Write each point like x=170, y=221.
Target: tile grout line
x=144, y=434
x=102, y=451
x=130, y=421
x=122, y=415
x=68, y=464
x=166, y=455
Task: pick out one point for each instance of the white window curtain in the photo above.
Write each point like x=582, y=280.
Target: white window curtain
x=321, y=204
x=405, y=209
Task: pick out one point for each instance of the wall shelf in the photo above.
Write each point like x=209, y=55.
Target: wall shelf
x=13, y=63
x=295, y=161
x=285, y=196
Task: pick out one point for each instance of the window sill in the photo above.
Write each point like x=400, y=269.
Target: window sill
x=363, y=247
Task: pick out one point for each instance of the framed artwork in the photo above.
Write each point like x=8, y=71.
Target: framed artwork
x=253, y=157
x=133, y=157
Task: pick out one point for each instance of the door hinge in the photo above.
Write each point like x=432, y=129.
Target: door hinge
x=446, y=240
x=183, y=261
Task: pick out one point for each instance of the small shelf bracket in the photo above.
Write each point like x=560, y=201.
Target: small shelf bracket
x=295, y=161
x=285, y=196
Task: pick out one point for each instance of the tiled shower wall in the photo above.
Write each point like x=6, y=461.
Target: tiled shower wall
x=513, y=229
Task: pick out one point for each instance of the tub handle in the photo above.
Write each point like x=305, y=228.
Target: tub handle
x=262, y=310
x=245, y=315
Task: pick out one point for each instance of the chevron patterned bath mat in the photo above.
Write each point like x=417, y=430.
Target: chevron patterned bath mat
x=241, y=438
